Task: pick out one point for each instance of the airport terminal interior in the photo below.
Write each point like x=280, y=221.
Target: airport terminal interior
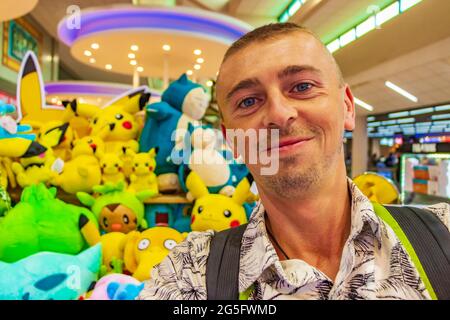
x=100, y=99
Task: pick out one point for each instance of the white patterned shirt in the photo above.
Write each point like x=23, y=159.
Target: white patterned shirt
x=374, y=264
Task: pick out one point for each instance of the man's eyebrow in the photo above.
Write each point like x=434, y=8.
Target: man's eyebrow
x=295, y=69
x=244, y=84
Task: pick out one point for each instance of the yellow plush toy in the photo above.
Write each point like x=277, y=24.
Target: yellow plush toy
x=144, y=250
x=216, y=211
x=33, y=170
x=112, y=168
x=83, y=172
x=88, y=145
x=143, y=176
x=112, y=252
x=56, y=135
x=6, y=174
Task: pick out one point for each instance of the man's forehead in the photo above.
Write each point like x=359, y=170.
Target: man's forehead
x=273, y=55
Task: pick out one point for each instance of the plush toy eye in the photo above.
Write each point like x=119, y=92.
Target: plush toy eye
x=227, y=213
x=126, y=220
x=90, y=141
x=116, y=165
x=104, y=165
x=146, y=164
x=169, y=244
x=119, y=116
x=105, y=222
x=200, y=209
x=143, y=244
x=95, y=120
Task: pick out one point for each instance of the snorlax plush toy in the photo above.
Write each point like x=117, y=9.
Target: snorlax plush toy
x=166, y=123
x=50, y=276
x=215, y=165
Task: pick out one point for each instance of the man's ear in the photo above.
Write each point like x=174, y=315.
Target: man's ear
x=349, y=115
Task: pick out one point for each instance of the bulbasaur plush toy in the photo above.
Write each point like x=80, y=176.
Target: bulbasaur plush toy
x=50, y=276
x=182, y=102
x=41, y=222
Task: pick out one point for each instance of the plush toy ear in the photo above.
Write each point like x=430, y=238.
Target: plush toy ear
x=183, y=78
x=196, y=186
x=240, y=195
x=86, y=199
x=53, y=191
x=112, y=289
x=129, y=152
x=152, y=152
x=129, y=257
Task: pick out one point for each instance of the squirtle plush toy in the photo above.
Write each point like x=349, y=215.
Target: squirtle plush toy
x=41, y=222
x=166, y=123
x=50, y=275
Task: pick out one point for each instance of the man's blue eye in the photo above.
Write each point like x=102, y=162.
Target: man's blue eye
x=248, y=102
x=302, y=87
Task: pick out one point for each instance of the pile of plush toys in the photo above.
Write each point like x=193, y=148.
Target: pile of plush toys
x=120, y=164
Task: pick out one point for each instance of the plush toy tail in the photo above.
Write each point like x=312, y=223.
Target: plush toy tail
x=88, y=230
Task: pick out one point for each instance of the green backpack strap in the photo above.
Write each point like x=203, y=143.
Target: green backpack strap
x=427, y=241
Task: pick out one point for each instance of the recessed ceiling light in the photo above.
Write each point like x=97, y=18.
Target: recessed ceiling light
x=133, y=62
x=108, y=67
x=197, y=67
x=54, y=100
x=87, y=53
x=140, y=69
x=166, y=47
x=200, y=60
x=92, y=60
x=95, y=46
x=134, y=47
x=209, y=83
x=401, y=91
x=363, y=104
x=197, y=52
x=189, y=72
x=131, y=55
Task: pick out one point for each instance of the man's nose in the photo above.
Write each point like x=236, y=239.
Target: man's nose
x=280, y=112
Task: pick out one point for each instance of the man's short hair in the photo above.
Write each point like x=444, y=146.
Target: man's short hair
x=273, y=31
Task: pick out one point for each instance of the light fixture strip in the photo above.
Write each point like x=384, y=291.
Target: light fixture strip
x=392, y=10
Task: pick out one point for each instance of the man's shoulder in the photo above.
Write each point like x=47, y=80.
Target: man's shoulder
x=442, y=211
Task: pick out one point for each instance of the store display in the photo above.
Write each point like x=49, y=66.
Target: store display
x=144, y=250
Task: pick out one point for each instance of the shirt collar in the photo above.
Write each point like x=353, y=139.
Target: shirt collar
x=258, y=253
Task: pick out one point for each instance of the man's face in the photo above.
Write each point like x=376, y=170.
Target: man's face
x=289, y=83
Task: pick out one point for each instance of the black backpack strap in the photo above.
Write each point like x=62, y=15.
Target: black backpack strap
x=222, y=267
x=430, y=240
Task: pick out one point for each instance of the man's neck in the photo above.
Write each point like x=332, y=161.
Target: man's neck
x=313, y=226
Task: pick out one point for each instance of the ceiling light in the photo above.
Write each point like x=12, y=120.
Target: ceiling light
x=87, y=53
x=200, y=60
x=134, y=47
x=197, y=67
x=140, y=69
x=364, y=105
x=401, y=91
x=166, y=47
x=197, y=52
x=54, y=100
x=92, y=60
x=108, y=67
x=133, y=62
x=189, y=72
x=209, y=83
x=95, y=46
x=131, y=55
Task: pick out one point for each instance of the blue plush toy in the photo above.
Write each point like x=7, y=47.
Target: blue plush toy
x=175, y=216
x=50, y=276
x=210, y=160
x=182, y=102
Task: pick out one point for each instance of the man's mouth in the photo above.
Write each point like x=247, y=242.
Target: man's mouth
x=288, y=143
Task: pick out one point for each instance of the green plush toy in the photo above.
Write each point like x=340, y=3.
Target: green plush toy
x=40, y=222
x=117, y=210
x=5, y=202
